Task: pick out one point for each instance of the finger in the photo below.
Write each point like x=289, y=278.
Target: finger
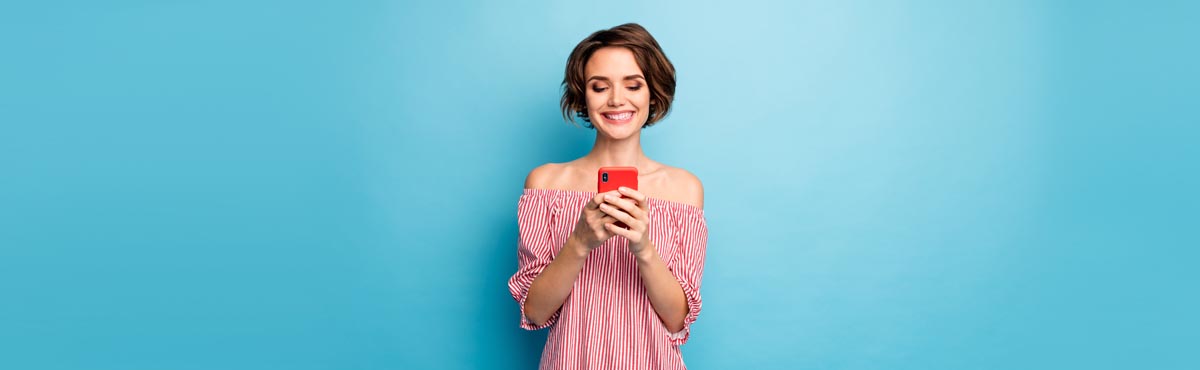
x=607, y=219
x=618, y=201
x=617, y=214
x=636, y=195
x=596, y=200
x=628, y=234
x=626, y=205
x=642, y=201
x=604, y=219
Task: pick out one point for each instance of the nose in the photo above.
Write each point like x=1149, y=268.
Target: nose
x=616, y=98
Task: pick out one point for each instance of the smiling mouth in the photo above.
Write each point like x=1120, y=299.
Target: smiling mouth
x=617, y=117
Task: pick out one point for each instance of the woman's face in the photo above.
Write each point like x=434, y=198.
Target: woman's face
x=618, y=98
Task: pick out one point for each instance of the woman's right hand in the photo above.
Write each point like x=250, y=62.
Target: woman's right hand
x=589, y=231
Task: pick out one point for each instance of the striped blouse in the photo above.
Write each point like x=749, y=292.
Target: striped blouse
x=607, y=321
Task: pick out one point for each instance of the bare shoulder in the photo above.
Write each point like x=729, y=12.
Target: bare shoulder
x=685, y=187
x=559, y=176
x=544, y=176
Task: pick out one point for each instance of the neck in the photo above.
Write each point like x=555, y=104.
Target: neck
x=612, y=152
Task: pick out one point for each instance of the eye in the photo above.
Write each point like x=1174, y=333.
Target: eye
x=598, y=88
x=635, y=87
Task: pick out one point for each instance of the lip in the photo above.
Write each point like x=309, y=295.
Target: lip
x=628, y=113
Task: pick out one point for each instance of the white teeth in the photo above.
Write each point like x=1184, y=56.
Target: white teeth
x=619, y=116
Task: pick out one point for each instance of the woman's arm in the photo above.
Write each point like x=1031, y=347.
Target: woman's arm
x=665, y=292
x=550, y=289
x=666, y=295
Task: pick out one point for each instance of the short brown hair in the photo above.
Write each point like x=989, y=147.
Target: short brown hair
x=658, y=70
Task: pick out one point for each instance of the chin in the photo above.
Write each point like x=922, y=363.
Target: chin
x=621, y=130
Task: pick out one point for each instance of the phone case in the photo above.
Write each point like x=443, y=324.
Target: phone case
x=611, y=178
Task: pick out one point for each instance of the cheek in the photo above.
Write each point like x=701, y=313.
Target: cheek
x=595, y=100
x=642, y=98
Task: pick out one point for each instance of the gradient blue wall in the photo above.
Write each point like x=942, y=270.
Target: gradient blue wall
x=305, y=185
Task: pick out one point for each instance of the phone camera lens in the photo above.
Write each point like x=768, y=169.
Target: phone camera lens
x=604, y=177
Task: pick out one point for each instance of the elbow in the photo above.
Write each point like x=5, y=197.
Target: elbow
x=675, y=327
x=675, y=324
x=536, y=318
x=536, y=321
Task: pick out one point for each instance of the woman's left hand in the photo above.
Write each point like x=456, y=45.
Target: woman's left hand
x=635, y=213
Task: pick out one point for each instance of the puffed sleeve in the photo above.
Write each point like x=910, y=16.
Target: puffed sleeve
x=687, y=265
x=535, y=251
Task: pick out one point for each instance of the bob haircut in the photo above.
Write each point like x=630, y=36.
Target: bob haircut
x=658, y=70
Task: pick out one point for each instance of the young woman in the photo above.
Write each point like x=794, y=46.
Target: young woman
x=614, y=298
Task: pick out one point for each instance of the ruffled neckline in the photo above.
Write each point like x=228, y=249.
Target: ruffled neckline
x=576, y=194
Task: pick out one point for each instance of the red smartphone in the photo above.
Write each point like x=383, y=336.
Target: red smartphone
x=611, y=178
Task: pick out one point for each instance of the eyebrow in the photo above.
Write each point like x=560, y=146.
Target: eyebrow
x=629, y=77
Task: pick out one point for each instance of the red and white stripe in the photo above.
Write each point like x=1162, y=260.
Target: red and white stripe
x=608, y=322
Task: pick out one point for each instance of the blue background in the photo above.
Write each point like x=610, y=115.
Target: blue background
x=333, y=185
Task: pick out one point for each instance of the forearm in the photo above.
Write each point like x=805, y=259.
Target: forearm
x=550, y=289
x=666, y=295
